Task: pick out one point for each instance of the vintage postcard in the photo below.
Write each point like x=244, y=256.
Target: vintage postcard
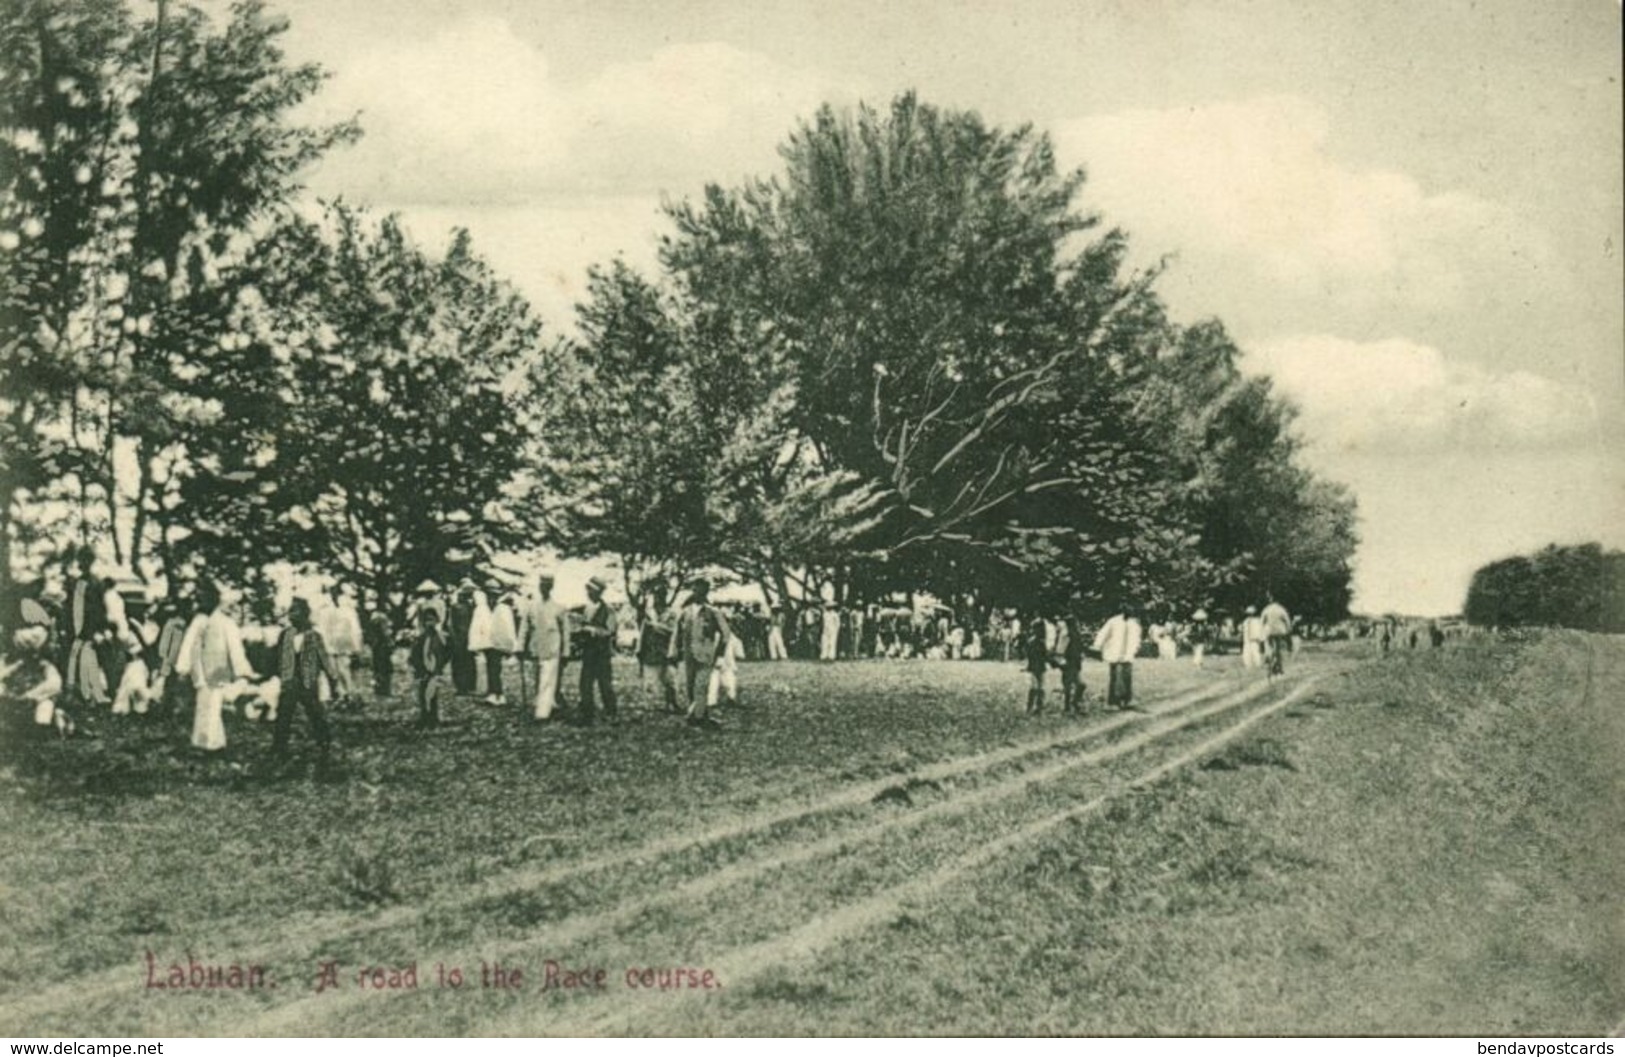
x=866, y=517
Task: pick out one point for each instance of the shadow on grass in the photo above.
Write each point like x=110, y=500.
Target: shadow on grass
x=1260, y=752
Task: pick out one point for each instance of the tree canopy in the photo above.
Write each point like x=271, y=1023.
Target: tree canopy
x=1580, y=587
x=910, y=361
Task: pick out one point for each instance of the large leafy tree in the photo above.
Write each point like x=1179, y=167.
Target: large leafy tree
x=383, y=393
x=141, y=159
x=913, y=362
x=954, y=335
x=625, y=466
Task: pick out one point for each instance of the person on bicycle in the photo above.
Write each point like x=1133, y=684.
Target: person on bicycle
x=1277, y=634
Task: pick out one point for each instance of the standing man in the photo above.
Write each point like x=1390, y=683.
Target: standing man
x=302, y=661
x=654, y=646
x=381, y=643
x=547, y=638
x=169, y=651
x=830, y=637
x=1069, y=649
x=428, y=660
x=340, y=628
x=212, y=655
x=598, y=627
x=702, y=635
x=1252, y=639
x=1035, y=659
x=86, y=619
x=775, y=635
x=504, y=640
x=460, y=623
x=1201, y=634
x=1118, y=641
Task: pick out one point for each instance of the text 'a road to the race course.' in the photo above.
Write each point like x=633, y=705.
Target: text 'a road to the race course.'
x=194, y=975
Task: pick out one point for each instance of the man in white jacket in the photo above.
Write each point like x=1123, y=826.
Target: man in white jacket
x=1118, y=641
x=340, y=626
x=504, y=641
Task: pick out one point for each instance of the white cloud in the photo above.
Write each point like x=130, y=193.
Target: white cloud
x=1250, y=197
x=474, y=115
x=545, y=249
x=1399, y=395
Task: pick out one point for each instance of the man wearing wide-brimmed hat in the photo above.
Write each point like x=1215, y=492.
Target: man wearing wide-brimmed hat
x=598, y=628
x=546, y=637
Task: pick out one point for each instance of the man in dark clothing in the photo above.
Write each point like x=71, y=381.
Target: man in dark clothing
x=428, y=661
x=463, y=673
x=702, y=635
x=381, y=646
x=302, y=661
x=1070, y=650
x=1035, y=659
x=654, y=643
x=598, y=628
x=84, y=624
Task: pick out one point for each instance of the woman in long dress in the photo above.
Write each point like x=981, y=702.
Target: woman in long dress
x=212, y=654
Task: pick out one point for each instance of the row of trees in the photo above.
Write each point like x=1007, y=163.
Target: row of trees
x=907, y=362
x=911, y=362
x=1579, y=587
x=196, y=369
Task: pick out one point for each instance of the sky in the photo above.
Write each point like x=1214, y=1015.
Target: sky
x=1408, y=215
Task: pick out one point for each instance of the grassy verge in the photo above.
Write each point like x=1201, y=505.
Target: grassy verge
x=1427, y=844
x=1429, y=847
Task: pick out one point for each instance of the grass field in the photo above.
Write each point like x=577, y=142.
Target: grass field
x=1428, y=843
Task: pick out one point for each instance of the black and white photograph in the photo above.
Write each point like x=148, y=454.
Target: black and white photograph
x=602, y=518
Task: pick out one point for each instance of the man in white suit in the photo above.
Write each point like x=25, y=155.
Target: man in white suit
x=1117, y=642
x=547, y=638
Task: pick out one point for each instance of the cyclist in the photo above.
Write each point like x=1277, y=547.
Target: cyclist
x=1277, y=634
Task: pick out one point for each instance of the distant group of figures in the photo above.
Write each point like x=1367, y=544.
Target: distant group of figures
x=102, y=648
x=1064, y=643
x=99, y=647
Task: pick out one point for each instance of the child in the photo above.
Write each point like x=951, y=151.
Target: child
x=1035, y=659
x=724, y=685
x=34, y=679
x=168, y=686
x=428, y=661
x=135, y=637
x=1069, y=658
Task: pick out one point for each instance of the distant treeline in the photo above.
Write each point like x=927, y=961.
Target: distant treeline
x=1569, y=587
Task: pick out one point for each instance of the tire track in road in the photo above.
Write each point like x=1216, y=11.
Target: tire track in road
x=574, y=930
x=813, y=937
x=295, y=943
x=697, y=890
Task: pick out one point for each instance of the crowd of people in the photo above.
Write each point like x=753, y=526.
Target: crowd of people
x=99, y=647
